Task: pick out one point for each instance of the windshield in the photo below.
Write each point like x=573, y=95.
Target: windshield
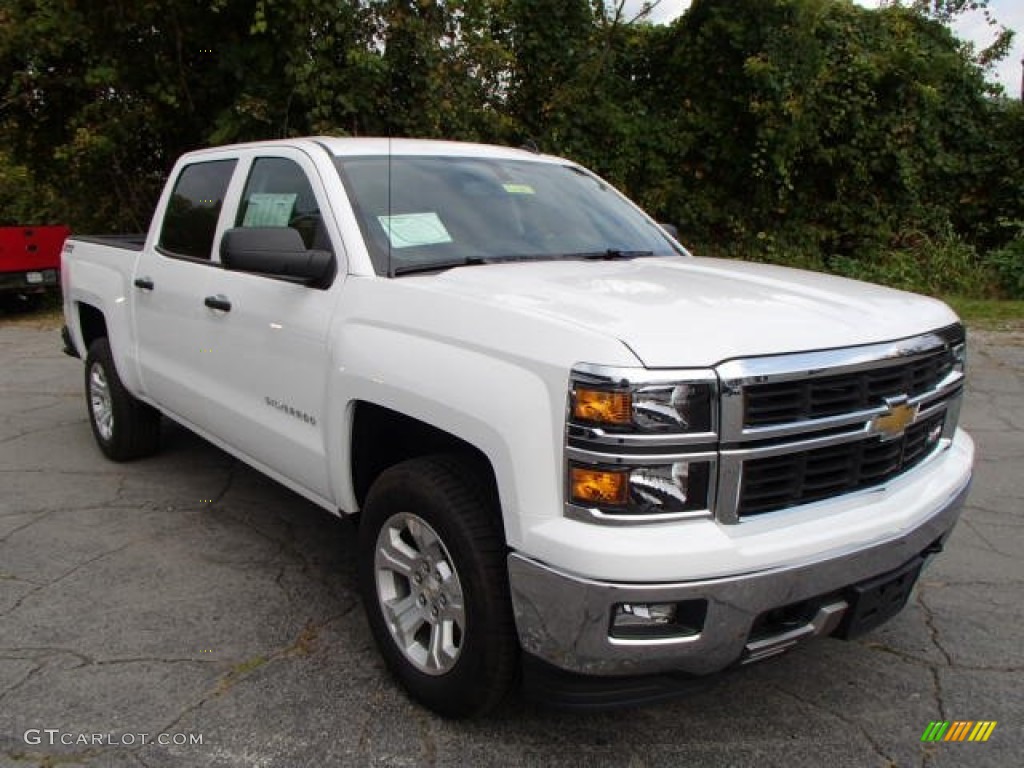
x=435, y=212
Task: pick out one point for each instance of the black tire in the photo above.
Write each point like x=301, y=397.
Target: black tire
x=452, y=496
x=133, y=429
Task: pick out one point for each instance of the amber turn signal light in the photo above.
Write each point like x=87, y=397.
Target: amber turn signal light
x=602, y=406
x=596, y=486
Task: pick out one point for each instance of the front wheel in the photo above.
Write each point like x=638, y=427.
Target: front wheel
x=434, y=583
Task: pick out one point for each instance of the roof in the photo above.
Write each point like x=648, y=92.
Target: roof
x=342, y=147
x=380, y=146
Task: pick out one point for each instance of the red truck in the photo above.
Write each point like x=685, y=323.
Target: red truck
x=30, y=259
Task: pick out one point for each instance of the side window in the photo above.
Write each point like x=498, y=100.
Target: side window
x=190, y=221
x=278, y=194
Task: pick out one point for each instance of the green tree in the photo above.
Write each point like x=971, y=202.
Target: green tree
x=814, y=132
x=816, y=127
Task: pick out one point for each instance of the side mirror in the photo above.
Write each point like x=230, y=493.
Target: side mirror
x=274, y=251
x=672, y=229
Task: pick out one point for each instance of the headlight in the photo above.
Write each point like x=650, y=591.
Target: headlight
x=641, y=445
x=636, y=491
x=653, y=407
x=602, y=407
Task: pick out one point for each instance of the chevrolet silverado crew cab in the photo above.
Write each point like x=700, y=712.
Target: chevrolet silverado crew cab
x=580, y=456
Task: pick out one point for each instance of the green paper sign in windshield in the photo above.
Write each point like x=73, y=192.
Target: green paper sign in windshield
x=411, y=229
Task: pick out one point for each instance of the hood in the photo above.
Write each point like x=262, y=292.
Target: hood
x=687, y=312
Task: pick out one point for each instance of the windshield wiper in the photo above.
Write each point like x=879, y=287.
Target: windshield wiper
x=437, y=266
x=472, y=261
x=605, y=255
x=609, y=254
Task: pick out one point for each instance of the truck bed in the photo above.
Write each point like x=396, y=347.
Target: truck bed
x=133, y=242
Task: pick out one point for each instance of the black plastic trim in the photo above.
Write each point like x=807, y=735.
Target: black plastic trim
x=548, y=685
x=69, y=343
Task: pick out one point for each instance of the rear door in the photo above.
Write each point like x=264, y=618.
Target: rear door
x=170, y=286
x=267, y=365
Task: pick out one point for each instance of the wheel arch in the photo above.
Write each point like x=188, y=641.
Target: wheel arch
x=382, y=438
x=92, y=323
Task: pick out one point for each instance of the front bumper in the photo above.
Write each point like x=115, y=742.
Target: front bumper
x=565, y=620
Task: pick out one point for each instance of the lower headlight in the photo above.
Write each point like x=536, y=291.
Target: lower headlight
x=641, y=490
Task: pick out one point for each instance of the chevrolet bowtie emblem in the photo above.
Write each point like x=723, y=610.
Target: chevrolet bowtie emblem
x=891, y=425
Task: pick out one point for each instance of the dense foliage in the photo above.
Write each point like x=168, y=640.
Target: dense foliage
x=810, y=132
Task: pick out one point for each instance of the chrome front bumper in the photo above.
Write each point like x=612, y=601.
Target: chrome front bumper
x=566, y=620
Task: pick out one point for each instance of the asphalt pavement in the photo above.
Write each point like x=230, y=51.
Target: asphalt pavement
x=186, y=611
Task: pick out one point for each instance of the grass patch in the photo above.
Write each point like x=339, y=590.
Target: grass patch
x=988, y=314
x=305, y=643
x=238, y=672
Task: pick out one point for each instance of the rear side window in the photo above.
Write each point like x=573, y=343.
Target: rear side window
x=278, y=194
x=190, y=221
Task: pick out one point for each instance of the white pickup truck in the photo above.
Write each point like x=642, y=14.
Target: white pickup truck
x=580, y=455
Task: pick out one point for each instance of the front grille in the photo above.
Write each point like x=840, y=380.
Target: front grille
x=785, y=402
x=801, y=477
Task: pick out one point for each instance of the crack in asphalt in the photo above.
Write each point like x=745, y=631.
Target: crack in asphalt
x=39, y=517
x=972, y=583
x=24, y=679
x=985, y=540
x=37, y=430
x=18, y=603
x=45, y=652
x=300, y=645
x=13, y=437
x=933, y=630
x=1010, y=500
x=933, y=633
x=923, y=662
x=289, y=545
x=876, y=747
x=228, y=482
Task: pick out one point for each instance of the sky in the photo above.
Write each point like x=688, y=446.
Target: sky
x=971, y=27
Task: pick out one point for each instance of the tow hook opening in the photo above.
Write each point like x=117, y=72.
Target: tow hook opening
x=780, y=629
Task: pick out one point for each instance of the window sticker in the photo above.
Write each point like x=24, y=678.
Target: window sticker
x=411, y=229
x=269, y=210
x=518, y=189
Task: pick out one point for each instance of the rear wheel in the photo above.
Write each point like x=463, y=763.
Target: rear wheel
x=434, y=583
x=124, y=427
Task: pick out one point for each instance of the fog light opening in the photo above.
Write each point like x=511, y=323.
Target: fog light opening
x=654, y=621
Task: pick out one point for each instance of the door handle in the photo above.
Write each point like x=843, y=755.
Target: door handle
x=220, y=301
x=144, y=283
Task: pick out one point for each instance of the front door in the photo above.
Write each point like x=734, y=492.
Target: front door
x=268, y=357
